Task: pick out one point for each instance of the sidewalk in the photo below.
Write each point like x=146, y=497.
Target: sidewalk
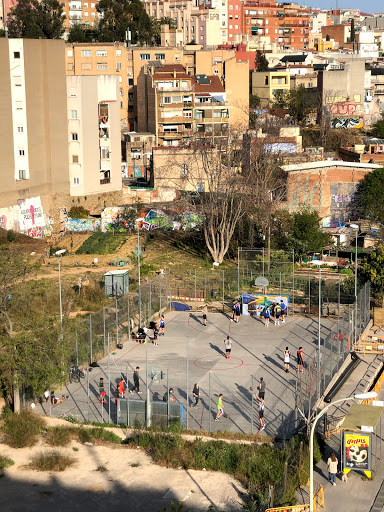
x=359, y=493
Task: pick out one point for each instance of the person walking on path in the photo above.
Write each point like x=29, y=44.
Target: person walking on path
x=228, y=346
x=237, y=312
x=300, y=360
x=261, y=415
x=220, y=407
x=196, y=394
x=136, y=381
x=267, y=315
x=332, y=468
x=205, y=312
x=102, y=390
x=161, y=325
x=287, y=356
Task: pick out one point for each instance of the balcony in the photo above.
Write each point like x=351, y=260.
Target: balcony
x=175, y=120
x=175, y=135
x=174, y=89
x=171, y=105
x=75, y=8
x=105, y=181
x=379, y=92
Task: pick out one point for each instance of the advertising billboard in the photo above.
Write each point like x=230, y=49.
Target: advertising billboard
x=357, y=451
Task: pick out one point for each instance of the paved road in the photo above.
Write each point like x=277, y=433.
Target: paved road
x=256, y=351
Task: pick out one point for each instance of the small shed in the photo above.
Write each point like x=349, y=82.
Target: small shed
x=116, y=282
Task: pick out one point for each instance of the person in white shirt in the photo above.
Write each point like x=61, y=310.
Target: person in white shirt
x=228, y=347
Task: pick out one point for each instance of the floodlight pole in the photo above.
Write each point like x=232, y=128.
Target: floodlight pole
x=319, y=339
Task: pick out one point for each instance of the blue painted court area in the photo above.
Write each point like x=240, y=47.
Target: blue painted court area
x=190, y=353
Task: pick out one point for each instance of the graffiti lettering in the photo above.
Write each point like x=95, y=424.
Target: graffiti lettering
x=347, y=122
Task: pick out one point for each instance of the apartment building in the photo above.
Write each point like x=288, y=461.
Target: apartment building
x=176, y=106
x=266, y=84
x=88, y=59
x=94, y=134
x=138, y=155
x=34, y=145
x=80, y=12
x=235, y=21
x=126, y=63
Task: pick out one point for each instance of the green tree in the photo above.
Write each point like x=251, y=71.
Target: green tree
x=254, y=101
x=369, y=196
x=353, y=32
x=373, y=269
x=378, y=128
x=305, y=235
x=299, y=102
x=34, y=19
x=80, y=34
x=261, y=62
x=120, y=15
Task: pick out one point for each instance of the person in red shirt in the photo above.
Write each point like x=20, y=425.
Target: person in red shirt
x=300, y=360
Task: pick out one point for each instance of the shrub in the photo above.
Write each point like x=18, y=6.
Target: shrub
x=78, y=212
x=85, y=435
x=100, y=243
x=347, y=271
x=101, y=468
x=51, y=461
x=5, y=462
x=59, y=436
x=11, y=236
x=105, y=435
x=22, y=429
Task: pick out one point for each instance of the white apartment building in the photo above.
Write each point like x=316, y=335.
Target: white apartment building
x=93, y=105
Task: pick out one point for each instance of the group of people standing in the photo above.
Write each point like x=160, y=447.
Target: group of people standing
x=276, y=311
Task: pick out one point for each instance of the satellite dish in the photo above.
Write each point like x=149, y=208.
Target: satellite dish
x=261, y=281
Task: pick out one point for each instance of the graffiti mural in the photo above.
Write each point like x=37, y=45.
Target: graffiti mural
x=26, y=217
x=80, y=225
x=345, y=123
x=345, y=108
x=341, y=202
x=303, y=194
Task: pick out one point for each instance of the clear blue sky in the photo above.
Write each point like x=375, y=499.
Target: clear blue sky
x=370, y=6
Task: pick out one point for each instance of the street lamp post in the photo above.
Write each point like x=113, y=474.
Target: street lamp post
x=138, y=264
x=319, y=334
x=361, y=396
x=59, y=254
x=356, y=228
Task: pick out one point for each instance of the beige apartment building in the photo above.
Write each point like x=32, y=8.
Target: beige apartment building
x=176, y=106
x=94, y=134
x=79, y=12
x=34, y=141
x=127, y=63
x=266, y=84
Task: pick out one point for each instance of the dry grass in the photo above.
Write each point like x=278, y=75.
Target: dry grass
x=21, y=430
x=51, y=461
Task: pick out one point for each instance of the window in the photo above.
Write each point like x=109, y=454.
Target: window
x=118, y=66
x=86, y=66
x=160, y=56
x=21, y=152
x=216, y=71
x=93, y=14
x=101, y=53
x=20, y=129
x=74, y=136
x=101, y=66
x=86, y=53
x=17, y=81
x=120, y=79
x=76, y=181
x=70, y=66
x=75, y=159
x=130, y=81
x=145, y=56
x=16, y=55
x=86, y=14
x=121, y=91
x=121, y=104
x=19, y=105
x=265, y=80
x=130, y=96
x=22, y=175
x=104, y=152
x=236, y=26
x=93, y=5
x=231, y=7
x=184, y=170
x=201, y=28
x=130, y=108
x=103, y=110
x=230, y=26
x=72, y=92
x=310, y=85
x=73, y=114
x=85, y=4
x=200, y=187
x=230, y=16
x=118, y=53
x=236, y=7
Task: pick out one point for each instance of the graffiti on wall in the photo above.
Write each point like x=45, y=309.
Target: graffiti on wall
x=26, y=217
x=80, y=225
x=305, y=194
x=341, y=202
x=112, y=220
x=345, y=108
x=345, y=123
